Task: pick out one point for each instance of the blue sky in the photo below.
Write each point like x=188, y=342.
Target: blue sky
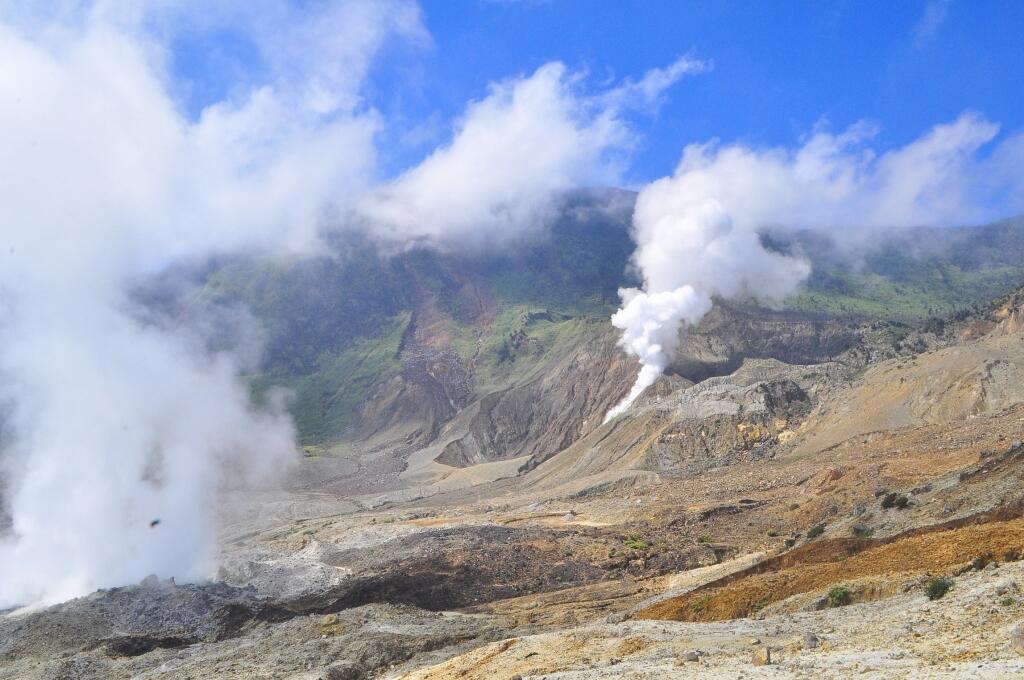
x=779, y=67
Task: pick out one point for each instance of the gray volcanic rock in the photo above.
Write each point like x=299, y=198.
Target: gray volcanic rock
x=135, y=619
x=549, y=411
x=168, y=631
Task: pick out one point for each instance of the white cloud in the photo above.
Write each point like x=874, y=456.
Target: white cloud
x=512, y=153
x=647, y=91
x=928, y=26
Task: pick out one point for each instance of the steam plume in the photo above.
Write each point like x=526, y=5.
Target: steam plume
x=697, y=231
x=110, y=422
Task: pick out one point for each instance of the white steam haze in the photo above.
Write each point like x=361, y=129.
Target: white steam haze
x=108, y=421
x=697, y=236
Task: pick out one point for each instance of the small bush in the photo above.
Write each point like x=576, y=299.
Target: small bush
x=862, y=530
x=895, y=500
x=934, y=325
x=816, y=530
x=1007, y=602
x=772, y=533
x=936, y=587
x=700, y=604
x=704, y=539
x=839, y=596
x=636, y=543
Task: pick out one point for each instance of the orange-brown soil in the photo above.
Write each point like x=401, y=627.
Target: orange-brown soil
x=934, y=551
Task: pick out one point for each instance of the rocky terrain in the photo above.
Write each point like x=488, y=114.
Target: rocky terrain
x=801, y=495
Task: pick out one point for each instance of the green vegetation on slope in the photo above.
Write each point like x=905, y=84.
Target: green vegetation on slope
x=326, y=400
x=920, y=274
x=314, y=305
x=520, y=336
x=334, y=324
x=576, y=270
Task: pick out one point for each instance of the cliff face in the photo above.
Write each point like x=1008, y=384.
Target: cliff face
x=556, y=391
x=564, y=399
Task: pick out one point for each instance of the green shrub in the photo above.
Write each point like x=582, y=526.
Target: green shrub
x=934, y=325
x=636, y=543
x=700, y=604
x=839, y=596
x=816, y=530
x=704, y=539
x=772, y=533
x=1007, y=602
x=936, y=587
x=895, y=500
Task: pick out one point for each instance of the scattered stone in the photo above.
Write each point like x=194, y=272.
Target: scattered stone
x=136, y=645
x=762, y=657
x=861, y=530
x=690, y=656
x=811, y=641
x=151, y=581
x=754, y=641
x=1017, y=638
x=330, y=624
x=818, y=604
x=344, y=670
x=1006, y=587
